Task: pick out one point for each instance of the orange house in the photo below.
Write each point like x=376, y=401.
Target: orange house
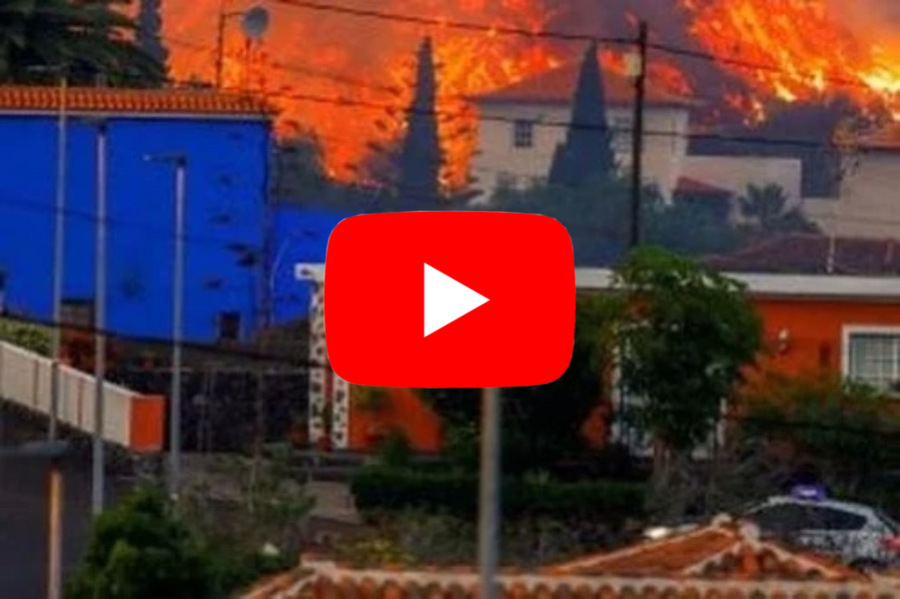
x=849, y=323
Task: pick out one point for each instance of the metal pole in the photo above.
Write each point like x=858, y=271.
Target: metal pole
x=54, y=549
x=220, y=45
x=637, y=136
x=100, y=324
x=489, y=493
x=177, y=316
x=58, y=259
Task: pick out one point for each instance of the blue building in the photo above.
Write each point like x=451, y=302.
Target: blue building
x=226, y=141
x=300, y=234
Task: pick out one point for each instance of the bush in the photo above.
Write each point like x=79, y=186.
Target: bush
x=380, y=488
x=141, y=549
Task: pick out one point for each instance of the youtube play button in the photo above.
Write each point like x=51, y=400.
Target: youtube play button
x=449, y=299
x=446, y=300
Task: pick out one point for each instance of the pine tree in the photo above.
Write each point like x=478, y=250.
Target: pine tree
x=420, y=157
x=149, y=32
x=587, y=153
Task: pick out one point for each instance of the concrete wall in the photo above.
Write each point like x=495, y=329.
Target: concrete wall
x=736, y=173
x=869, y=202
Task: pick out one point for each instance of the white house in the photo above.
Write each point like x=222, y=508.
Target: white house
x=868, y=203
x=520, y=126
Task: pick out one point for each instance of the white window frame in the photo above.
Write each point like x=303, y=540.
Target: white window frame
x=848, y=331
x=522, y=126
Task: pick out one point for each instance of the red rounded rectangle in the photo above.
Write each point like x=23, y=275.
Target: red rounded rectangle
x=449, y=299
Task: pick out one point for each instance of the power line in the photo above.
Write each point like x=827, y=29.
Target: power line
x=143, y=226
x=450, y=24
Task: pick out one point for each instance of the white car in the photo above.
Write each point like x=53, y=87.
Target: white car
x=857, y=534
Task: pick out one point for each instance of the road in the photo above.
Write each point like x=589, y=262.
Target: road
x=23, y=524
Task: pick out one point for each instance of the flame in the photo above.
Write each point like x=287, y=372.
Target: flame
x=796, y=51
x=350, y=80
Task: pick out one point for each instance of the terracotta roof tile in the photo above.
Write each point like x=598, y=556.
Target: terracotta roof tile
x=687, y=185
x=137, y=101
x=557, y=86
x=809, y=254
x=722, y=551
x=724, y=560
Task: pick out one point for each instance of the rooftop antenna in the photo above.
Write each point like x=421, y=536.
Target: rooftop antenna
x=255, y=23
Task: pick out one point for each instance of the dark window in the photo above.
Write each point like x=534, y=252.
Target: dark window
x=523, y=134
x=79, y=313
x=229, y=326
x=780, y=519
x=823, y=518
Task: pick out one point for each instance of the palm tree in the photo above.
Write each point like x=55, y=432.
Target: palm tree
x=88, y=37
x=765, y=206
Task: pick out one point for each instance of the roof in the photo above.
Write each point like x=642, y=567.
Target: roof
x=689, y=186
x=557, y=86
x=165, y=101
x=723, y=556
x=814, y=254
x=724, y=550
x=887, y=138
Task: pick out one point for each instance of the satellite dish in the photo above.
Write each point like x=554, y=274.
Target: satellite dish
x=255, y=23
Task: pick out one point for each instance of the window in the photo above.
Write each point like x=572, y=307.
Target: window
x=229, y=326
x=523, y=134
x=873, y=358
x=780, y=519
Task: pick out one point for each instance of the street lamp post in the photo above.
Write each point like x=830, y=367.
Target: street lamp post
x=100, y=323
x=58, y=247
x=255, y=23
x=180, y=163
x=54, y=451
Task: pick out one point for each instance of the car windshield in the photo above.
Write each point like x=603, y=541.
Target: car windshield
x=895, y=528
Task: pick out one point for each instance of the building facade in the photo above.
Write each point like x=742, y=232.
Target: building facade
x=225, y=141
x=848, y=324
x=520, y=126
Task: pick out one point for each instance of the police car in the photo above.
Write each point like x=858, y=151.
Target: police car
x=857, y=534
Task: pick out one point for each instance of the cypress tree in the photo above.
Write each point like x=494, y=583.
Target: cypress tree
x=587, y=154
x=149, y=31
x=420, y=156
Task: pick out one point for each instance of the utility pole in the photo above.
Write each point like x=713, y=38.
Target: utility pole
x=637, y=134
x=489, y=494
x=59, y=256
x=100, y=325
x=177, y=330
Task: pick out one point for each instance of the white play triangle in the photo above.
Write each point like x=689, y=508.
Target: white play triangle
x=446, y=300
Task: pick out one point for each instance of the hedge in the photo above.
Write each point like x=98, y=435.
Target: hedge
x=380, y=488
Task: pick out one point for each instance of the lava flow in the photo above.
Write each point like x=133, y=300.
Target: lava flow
x=797, y=51
x=349, y=79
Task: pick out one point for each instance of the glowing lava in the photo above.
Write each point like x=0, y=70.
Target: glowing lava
x=795, y=50
x=349, y=79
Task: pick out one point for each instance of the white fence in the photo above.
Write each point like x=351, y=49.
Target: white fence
x=25, y=381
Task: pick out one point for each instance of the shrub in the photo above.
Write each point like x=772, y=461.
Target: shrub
x=140, y=549
x=381, y=488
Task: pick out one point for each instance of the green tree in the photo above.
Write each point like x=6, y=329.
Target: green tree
x=91, y=38
x=689, y=333
x=597, y=218
x=847, y=431
x=420, y=154
x=140, y=549
x=766, y=207
x=149, y=32
x=540, y=424
x=587, y=153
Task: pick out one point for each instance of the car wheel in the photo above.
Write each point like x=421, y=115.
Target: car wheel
x=868, y=565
